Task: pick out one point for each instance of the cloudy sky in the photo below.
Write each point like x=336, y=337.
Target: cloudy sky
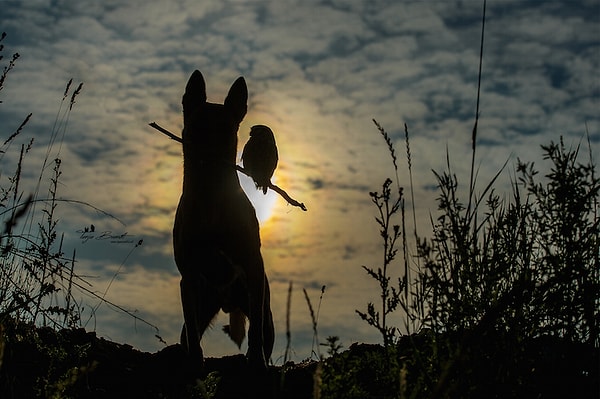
x=318, y=72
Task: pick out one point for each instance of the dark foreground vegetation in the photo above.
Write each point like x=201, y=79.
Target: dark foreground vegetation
x=73, y=363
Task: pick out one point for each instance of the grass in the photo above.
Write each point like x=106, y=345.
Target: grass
x=36, y=278
x=506, y=290
x=496, y=275
x=39, y=283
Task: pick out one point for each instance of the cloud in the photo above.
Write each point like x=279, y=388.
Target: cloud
x=318, y=73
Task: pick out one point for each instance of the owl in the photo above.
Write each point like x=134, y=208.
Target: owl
x=260, y=156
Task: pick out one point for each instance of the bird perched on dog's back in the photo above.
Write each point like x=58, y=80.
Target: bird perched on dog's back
x=260, y=156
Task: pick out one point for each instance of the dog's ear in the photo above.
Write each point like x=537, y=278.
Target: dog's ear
x=195, y=91
x=237, y=98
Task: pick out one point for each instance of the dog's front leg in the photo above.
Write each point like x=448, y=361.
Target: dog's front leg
x=190, y=336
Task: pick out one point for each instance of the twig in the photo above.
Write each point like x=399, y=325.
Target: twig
x=272, y=186
x=165, y=131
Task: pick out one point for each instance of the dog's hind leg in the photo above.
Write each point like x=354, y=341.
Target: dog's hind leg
x=268, y=328
x=256, y=295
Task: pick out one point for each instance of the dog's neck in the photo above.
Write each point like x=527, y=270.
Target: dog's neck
x=206, y=170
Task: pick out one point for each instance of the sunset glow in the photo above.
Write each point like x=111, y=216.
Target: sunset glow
x=263, y=203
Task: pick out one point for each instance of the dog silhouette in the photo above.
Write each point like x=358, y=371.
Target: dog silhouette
x=216, y=235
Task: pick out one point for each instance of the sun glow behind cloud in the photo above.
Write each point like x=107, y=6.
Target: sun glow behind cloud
x=263, y=203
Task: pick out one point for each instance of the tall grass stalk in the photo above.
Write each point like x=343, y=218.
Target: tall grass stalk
x=288, y=330
x=474, y=133
x=314, y=319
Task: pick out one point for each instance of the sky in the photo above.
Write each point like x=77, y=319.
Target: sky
x=317, y=72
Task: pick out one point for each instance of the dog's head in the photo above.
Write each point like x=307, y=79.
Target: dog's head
x=210, y=130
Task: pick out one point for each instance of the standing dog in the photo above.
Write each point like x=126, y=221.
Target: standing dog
x=216, y=236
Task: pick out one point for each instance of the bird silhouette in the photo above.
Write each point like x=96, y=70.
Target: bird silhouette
x=260, y=156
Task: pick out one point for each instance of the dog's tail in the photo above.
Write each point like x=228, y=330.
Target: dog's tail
x=237, y=326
